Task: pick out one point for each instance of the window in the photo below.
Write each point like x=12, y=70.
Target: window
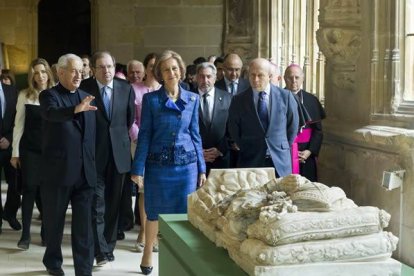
x=392, y=63
x=293, y=40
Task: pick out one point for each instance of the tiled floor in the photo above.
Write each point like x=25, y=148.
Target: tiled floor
x=14, y=261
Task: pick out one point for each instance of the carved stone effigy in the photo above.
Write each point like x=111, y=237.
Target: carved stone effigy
x=308, y=226
x=269, y=225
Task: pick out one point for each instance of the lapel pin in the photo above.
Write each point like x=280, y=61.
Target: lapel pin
x=192, y=98
x=220, y=99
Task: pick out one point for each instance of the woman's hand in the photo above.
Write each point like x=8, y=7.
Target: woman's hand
x=15, y=162
x=201, y=179
x=138, y=179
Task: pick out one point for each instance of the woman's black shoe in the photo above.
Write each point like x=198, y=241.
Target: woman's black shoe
x=146, y=269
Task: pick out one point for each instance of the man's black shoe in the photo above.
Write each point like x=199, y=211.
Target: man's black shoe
x=14, y=223
x=101, y=259
x=56, y=271
x=110, y=256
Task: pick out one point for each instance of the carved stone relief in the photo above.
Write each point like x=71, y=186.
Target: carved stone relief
x=239, y=18
x=240, y=29
x=339, y=45
x=339, y=38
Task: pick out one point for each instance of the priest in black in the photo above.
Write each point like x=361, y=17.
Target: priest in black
x=307, y=144
x=68, y=167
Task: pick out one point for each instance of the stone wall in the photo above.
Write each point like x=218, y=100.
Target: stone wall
x=127, y=28
x=18, y=32
x=133, y=28
x=356, y=152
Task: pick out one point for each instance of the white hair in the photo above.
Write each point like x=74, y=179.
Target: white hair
x=63, y=61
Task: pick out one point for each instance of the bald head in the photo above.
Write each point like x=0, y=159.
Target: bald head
x=294, y=78
x=259, y=74
x=232, y=67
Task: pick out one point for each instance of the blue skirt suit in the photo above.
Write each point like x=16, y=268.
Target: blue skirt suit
x=169, y=151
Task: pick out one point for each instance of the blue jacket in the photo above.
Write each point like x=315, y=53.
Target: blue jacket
x=169, y=133
x=246, y=130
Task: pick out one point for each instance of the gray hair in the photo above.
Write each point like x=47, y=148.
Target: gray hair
x=134, y=61
x=206, y=65
x=63, y=61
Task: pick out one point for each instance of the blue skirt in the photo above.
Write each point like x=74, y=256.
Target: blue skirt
x=167, y=188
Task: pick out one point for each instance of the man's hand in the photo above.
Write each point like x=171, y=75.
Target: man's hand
x=138, y=179
x=234, y=146
x=15, y=162
x=4, y=143
x=85, y=105
x=303, y=155
x=211, y=154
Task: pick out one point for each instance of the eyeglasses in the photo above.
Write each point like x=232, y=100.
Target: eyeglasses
x=235, y=70
x=102, y=67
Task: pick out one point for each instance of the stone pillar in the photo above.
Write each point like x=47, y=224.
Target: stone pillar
x=360, y=42
x=339, y=38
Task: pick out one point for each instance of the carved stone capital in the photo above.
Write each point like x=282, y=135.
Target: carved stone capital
x=340, y=46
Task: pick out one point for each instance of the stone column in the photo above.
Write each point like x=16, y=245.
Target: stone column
x=339, y=38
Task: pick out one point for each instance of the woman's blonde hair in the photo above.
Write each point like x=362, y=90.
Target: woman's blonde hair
x=32, y=90
x=165, y=56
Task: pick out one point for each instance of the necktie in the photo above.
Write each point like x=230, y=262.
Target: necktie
x=232, y=87
x=206, y=110
x=262, y=110
x=106, y=101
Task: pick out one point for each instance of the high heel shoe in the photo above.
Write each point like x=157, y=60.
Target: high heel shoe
x=146, y=269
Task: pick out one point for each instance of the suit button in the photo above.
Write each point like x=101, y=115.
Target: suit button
x=173, y=133
x=179, y=116
x=172, y=144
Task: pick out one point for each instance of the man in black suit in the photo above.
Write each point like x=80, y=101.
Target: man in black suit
x=8, y=100
x=232, y=82
x=68, y=166
x=115, y=101
x=214, y=107
x=263, y=122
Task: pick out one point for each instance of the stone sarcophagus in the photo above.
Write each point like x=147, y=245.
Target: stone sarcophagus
x=291, y=226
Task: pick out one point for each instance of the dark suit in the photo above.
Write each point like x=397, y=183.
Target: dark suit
x=246, y=130
x=242, y=85
x=68, y=174
x=215, y=134
x=6, y=131
x=113, y=158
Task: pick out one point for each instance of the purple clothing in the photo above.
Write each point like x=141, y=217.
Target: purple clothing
x=140, y=89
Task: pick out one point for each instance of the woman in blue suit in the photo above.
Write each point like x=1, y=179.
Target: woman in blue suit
x=169, y=149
